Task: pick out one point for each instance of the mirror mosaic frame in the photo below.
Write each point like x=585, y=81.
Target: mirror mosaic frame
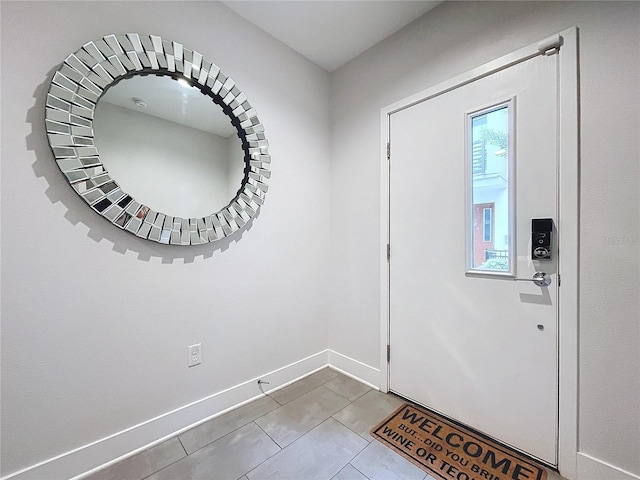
x=74, y=92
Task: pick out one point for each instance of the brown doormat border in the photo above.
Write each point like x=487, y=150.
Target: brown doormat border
x=450, y=451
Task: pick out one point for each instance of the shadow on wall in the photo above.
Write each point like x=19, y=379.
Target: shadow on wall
x=79, y=212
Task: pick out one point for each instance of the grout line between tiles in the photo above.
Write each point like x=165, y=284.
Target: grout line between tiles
x=270, y=437
x=246, y=474
x=237, y=428
x=166, y=466
x=265, y=432
x=182, y=445
x=354, y=467
x=370, y=439
x=215, y=440
x=323, y=382
x=356, y=454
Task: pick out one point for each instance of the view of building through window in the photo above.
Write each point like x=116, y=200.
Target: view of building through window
x=490, y=189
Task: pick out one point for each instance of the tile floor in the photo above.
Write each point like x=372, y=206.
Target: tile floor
x=316, y=428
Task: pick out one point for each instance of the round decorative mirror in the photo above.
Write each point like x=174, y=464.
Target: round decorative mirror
x=157, y=140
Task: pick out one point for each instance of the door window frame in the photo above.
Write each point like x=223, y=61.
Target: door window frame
x=471, y=270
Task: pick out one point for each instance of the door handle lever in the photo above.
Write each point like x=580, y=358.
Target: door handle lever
x=541, y=279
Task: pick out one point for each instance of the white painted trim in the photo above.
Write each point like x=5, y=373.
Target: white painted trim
x=568, y=218
x=355, y=369
x=385, y=126
x=511, y=104
x=460, y=80
x=591, y=468
x=82, y=461
x=568, y=244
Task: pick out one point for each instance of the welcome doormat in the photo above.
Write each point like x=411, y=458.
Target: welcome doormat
x=451, y=452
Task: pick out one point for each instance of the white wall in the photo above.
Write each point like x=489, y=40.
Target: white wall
x=96, y=322
x=449, y=40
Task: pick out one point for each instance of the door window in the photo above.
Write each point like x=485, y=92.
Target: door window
x=490, y=191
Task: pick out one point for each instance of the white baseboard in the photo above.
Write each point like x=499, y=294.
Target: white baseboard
x=97, y=455
x=355, y=369
x=590, y=468
x=82, y=461
x=101, y=453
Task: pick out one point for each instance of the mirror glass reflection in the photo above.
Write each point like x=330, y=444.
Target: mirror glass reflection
x=169, y=145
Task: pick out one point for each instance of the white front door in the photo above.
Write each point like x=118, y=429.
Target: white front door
x=470, y=168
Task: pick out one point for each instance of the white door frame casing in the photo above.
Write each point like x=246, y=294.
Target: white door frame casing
x=568, y=226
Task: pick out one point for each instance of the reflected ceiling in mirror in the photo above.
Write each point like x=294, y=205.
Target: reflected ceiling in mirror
x=88, y=88
x=189, y=159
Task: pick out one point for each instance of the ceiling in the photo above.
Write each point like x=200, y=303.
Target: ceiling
x=327, y=32
x=330, y=32
x=166, y=98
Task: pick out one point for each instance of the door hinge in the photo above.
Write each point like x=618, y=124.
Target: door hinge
x=388, y=252
x=388, y=353
x=559, y=280
x=388, y=150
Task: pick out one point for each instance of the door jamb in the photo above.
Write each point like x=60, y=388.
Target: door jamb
x=568, y=226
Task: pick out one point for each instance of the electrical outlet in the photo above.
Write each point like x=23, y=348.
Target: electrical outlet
x=194, y=355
